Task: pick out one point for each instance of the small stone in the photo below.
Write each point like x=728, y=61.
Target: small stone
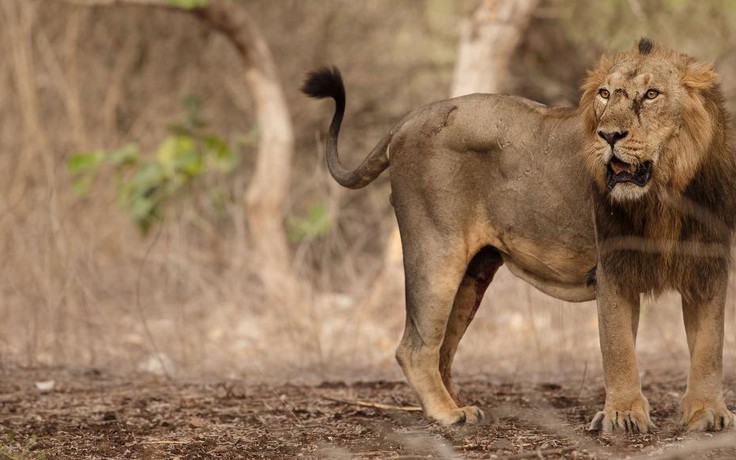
x=45, y=385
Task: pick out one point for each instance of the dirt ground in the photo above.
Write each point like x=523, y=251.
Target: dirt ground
x=94, y=414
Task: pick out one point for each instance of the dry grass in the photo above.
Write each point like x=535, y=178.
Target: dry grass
x=79, y=285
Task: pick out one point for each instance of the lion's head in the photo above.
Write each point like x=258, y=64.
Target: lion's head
x=652, y=115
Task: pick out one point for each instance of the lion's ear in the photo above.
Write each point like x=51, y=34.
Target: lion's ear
x=699, y=76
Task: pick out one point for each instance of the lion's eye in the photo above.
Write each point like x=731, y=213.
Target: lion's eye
x=603, y=92
x=651, y=94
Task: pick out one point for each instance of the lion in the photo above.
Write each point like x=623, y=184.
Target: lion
x=632, y=192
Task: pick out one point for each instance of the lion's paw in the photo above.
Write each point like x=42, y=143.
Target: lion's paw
x=468, y=415
x=699, y=415
x=628, y=421
x=473, y=415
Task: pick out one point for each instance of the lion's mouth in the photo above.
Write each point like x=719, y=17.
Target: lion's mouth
x=619, y=172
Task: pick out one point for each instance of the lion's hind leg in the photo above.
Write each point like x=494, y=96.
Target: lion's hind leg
x=434, y=268
x=478, y=277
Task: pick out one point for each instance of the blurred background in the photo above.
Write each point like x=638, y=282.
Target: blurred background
x=165, y=207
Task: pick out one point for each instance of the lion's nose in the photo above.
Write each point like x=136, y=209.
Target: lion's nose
x=612, y=136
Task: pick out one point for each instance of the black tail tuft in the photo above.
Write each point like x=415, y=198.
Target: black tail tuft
x=325, y=82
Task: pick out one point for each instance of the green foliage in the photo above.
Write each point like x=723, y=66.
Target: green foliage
x=84, y=167
x=147, y=183
x=315, y=224
x=188, y=4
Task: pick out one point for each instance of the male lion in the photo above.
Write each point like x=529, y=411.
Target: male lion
x=639, y=181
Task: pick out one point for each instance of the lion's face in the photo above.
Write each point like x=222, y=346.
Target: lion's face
x=637, y=108
x=643, y=110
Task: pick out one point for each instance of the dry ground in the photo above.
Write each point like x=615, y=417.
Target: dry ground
x=93, y=414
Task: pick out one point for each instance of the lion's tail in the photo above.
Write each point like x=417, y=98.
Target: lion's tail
x=324, y=83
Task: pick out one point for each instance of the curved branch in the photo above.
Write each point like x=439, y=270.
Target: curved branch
x=269, y=185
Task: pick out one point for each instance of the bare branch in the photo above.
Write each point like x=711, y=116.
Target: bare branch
x=355, y=402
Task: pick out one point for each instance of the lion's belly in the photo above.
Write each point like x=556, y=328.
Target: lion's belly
x=562, y=264
x=545, y=229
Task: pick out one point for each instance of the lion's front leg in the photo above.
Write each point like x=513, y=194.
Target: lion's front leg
x=703, y=408
x=626, y=409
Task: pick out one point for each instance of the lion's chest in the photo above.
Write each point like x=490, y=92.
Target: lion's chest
x=679, y=255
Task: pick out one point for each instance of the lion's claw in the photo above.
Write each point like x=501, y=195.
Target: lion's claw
x=473, y=415
x=468, y=415
x=706, y=416
x=613, y=421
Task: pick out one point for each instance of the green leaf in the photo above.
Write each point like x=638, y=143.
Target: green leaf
x=83, y=166
x=141, y=197
x=85, y=161
x=166, y=152
x=189, y=162
x=316, y=224
x=150, y=174
x=188, y=4
x=219, y=154
x=178, y=154
x=143, y=185
x=125, y=156
x=142, y=208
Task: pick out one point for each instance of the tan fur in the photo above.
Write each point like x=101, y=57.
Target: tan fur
x=482, y=180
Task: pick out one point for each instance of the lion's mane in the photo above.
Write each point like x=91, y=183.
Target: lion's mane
x=678, y=235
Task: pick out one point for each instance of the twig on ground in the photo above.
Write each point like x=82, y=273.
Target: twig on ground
x=164, y=441
x=283, y=402
x=374, y=405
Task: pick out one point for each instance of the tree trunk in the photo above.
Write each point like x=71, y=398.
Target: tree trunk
x=487, y=42
x=269, y=185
